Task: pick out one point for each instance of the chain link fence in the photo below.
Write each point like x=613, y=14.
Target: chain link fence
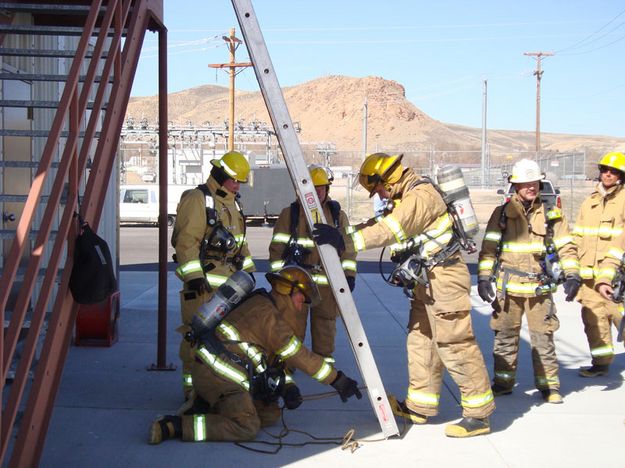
x=567, y=172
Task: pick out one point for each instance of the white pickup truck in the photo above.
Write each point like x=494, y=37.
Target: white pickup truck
x=139, y=203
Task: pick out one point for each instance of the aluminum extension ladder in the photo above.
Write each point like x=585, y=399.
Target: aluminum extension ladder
x=276, y=105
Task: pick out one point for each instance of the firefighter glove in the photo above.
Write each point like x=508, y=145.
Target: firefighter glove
x=571, y=286
x=346, y=387
x=292, y=396
x=485, y=290
x=351, y=282
x=326, y=234
x=198, y=285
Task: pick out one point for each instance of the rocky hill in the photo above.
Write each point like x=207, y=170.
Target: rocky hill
x=330, y=109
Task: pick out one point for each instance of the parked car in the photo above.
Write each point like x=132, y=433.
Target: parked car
x=139, y=203
x=547, y=191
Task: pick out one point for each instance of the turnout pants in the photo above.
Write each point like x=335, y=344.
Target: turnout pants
x=506, y=323
x=323, y=323
x=598, y=316
x=233, y=414
x=439, y=337
x=190, y=302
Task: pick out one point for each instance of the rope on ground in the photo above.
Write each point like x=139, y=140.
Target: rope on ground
x=347, y=442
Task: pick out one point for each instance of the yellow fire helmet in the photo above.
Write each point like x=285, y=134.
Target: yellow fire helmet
x=291, y=277
x=380, y=168
x=614, y=160
x=234, y=165
x=320, y=175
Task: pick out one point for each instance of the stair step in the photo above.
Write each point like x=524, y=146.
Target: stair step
x=38, y=8
x=37, y=104
x=25, y=325
x=20, y=198
x=38, y=134
x=25, y=164
x=44, y=77
x=10, y=234
x=50, y=30
x=43, y=53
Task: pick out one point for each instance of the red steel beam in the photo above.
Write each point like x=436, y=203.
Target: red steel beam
x=77, y=168
x=79, y=108
x=161, y=349
x=31, y=436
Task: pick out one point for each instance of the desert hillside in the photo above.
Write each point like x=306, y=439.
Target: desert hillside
x=330, y=109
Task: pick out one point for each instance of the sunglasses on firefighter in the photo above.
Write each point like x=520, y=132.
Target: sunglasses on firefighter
x=611, y=170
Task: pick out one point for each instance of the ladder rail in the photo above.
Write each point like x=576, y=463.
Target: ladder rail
x=294, y=158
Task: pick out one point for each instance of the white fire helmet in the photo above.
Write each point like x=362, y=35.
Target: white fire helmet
x=525, y=170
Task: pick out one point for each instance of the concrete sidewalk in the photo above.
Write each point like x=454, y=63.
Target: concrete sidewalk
x=107, y=400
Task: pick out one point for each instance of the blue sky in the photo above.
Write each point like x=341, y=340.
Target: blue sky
x=441, y=52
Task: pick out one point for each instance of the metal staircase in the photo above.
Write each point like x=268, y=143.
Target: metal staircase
x=65, y=83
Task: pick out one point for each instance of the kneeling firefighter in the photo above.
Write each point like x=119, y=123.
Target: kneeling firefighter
x=292, y=243
x=527, y=251
x=242, y=345
x=440, y=333
x=210, y=243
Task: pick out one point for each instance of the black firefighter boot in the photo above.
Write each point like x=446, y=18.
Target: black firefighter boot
x=468, y=427
x=596, y=370
x=165, y=427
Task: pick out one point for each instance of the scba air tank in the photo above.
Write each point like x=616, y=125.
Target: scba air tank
x=228, y=295
x=456, y=194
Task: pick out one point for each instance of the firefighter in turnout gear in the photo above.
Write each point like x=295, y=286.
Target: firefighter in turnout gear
x=527, y=251
x=600, y=221
x=292, y=244
x=209, y=238
x=238, y=370
x=610, y=282
x=440, y=333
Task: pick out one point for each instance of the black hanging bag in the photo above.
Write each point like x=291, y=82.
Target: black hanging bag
x=92, y=279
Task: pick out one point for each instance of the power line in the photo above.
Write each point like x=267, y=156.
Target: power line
x=596, y=48
x=591, y=35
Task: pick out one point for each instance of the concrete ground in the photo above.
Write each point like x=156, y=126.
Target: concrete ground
x=108, y=399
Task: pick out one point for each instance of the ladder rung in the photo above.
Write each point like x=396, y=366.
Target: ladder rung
x=50, y=30
x=24, y=164
x=37, y=104
x=38, y=134
x=43, y=53
x=42, y=77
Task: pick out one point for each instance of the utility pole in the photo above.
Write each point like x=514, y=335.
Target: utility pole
x=233, y=43
x=364, y=129
x=538, y=74
x=484, y=102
